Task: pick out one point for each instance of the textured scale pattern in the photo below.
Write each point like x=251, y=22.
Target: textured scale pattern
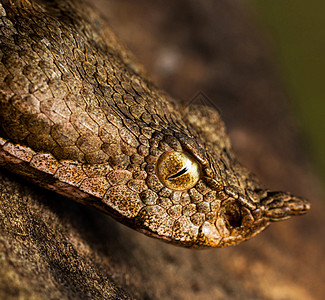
x=77, y=116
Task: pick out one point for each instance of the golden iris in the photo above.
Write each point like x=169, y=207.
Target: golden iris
x=178, y=170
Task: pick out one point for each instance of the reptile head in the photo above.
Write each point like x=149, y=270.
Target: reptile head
x=77, y=118
x=203, y=197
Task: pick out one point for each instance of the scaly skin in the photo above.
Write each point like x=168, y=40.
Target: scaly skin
x=78, y=117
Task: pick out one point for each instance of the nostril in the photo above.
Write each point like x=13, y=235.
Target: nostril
x=232, y=214
x=234, y=219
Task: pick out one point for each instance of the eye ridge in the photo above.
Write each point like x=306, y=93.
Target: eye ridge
x=179, y=173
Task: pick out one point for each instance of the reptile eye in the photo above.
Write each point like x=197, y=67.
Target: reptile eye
x=178, y=170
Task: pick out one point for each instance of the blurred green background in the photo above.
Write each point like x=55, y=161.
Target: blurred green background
x=297, y=28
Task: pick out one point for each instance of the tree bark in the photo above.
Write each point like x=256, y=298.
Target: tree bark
x=53, y=248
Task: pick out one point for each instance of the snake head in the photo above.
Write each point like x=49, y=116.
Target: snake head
x=196, y=206
x=211, y=200
x=77, y=118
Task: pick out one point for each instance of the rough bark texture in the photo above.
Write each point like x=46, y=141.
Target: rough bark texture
x=52, y=248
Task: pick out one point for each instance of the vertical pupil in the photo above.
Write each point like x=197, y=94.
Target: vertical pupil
x=179, y=173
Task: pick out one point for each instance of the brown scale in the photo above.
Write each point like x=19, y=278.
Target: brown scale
x=78, y=117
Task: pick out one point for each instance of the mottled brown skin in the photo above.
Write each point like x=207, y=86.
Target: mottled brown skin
x=77, y=116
